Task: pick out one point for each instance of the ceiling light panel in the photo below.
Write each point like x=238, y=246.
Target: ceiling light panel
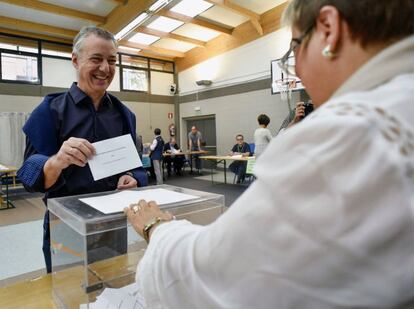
x=165, y=24
x=191, y=7
x=197, y=32
x=133, y=24
x=158, y=4
x=143, y=38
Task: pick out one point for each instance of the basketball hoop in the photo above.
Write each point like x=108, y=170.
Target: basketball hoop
x=285, y=86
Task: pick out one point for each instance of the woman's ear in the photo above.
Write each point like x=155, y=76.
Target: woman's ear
x=329, y=25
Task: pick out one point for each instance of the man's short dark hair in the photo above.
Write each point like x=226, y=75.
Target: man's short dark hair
x=157, y=131
x=263, y=119
x=240, y=135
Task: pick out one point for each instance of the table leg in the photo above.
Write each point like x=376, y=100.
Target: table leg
x=212, y=180
x=225, y=170
x=9, y=204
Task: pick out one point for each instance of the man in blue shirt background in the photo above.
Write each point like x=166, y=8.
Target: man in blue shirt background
x=61, y=130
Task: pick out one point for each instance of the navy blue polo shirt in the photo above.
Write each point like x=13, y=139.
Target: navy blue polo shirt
x=73, y=115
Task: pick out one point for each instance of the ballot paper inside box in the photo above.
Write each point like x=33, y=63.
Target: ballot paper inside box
x=92, y=250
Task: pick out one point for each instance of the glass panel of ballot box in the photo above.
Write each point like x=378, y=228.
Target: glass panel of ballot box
x=92, y=250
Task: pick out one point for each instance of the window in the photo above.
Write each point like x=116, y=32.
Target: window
x=160, y=65
x=136, y=80
x=19, y=60
x=19, y=68
x=56, y=50
x=134, y=61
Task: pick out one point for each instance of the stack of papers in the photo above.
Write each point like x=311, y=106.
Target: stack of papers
x=237, y=156
x=118, y=201
x=127, y=297
x=3, y=168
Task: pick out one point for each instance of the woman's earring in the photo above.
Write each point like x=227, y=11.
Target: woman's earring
x=326, y=52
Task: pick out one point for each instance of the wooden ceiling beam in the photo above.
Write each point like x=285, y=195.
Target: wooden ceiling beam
x=170, y=35
x=22, y=24
x=153, y=49
x=35, y=35
x=242, y=34
x=56, y=9
x=252, y=16
x=195, y=21
x=122, y=15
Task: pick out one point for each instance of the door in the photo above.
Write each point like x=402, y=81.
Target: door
x=207, y=126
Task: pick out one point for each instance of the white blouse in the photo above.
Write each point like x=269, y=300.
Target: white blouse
x=262, y=138
x=327, y=224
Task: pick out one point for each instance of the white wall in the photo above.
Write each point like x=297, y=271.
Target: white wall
x=161, y=82
x=237, y=113
x=245, y=63
x=149, y=115
x=16, y=103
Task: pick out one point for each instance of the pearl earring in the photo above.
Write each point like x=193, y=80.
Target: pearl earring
x=327, y=53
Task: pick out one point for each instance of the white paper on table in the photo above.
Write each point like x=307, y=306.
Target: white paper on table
x=2, y=167
x=114, y=156
x=118, y=201
x=127, y=297
x=237, y=156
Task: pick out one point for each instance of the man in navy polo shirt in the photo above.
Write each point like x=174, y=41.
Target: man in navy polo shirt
x=61, y=130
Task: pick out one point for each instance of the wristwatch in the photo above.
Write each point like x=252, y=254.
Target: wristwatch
x=129, y=174
x=148, y=227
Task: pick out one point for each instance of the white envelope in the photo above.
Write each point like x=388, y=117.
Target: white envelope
x=114, y=156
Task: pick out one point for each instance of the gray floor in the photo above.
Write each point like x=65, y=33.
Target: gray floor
x=203, y=183
x=21, y=228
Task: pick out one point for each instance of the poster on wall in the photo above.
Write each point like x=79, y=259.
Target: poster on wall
x=277, y=75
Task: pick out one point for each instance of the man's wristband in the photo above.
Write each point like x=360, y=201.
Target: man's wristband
x=129, y=174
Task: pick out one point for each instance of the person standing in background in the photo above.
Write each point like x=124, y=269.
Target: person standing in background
x=262, y=135
x=140, y=146
x=194, y=144
x=157, y=147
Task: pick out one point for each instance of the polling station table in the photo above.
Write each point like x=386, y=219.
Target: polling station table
x=223, y=160
x=5, y=172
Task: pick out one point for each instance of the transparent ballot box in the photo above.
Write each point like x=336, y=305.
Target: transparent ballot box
x=92, y=250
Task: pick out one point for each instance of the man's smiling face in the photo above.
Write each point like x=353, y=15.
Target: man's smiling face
x=95, y=63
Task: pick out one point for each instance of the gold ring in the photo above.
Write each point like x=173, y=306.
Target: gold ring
x=136, y=208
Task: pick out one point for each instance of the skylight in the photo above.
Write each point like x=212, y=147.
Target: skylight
x=191, y=7
x=143, y=38
x=157, y=5
x=165, y=24
x=133, y=24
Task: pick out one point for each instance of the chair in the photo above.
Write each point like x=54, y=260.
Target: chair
x=186, y=162
x=252, y=148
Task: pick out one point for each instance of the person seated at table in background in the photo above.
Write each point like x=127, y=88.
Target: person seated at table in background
x=178, y=161
x=242, y=149
x=194, y=144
